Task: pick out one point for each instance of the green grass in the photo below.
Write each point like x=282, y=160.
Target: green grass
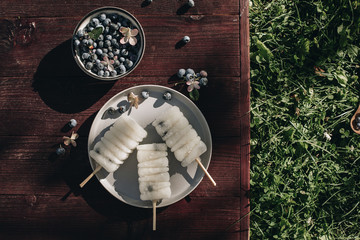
x=304, y=89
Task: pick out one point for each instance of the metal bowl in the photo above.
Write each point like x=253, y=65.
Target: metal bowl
x=137, y=50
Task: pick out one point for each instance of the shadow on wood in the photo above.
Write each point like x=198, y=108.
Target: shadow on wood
x=63, y=86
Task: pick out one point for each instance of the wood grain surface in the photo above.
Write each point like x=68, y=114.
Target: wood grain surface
x=42, y=88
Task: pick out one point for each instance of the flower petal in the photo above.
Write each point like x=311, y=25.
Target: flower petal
x=134, y=32
x=190, y=82
x=132, y=41
x=73, y=143
x=124, y=30
x=123, y=40
x=74, y=136
x=67, y=141
x=196, y=85
x=190, y=88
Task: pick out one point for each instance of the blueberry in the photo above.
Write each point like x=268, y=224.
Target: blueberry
x=122, y=109
x=99, y=51
x=101, y=73
x=124, y=52
x=100, y=38
x=167, y=96
x=113, y=73
x=77, y=42
x=114, y=27
x=191, y=3
x=190, y=70
x=106, y=30
x=108, y=37
x=80, y=33
x=89, y=65
x=111, y=110
x=122, y=68
x=128, y=63
x=100, y=66
x=106, y=74
x=72, y=123
x=85, y=42
x=110, y=49
x=145, y=94
x=203, y=81
x=181, y=73
x=357, y=119
x=101, y=44
x=102, y=16
x=357, y=125
x=60, y=151
x=189, y=77
x=107, y=43
x=186, y=39
x=95, y=22
x=90, y=42
x=107, y=22
x=85, y=56
x=111, y=55
x=104, y=55
x=105, y=50
x=122, y=59
x=119, y=24
x=116, y=62
x=97, y=61
x=117, y=52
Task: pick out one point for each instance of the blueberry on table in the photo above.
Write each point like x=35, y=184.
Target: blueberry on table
x=191, y=3
x=60, y=151
x=190, y=71
x=181, y=73
x=72, y=123
x=203, y=81
x=186, y=39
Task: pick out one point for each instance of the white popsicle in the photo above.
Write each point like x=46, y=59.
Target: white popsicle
x=181, y=138
x=116, y=145
x=153, y=170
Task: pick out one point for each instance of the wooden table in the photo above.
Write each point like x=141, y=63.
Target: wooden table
x=42, y=88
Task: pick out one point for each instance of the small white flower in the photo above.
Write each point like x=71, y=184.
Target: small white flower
x=327, y=136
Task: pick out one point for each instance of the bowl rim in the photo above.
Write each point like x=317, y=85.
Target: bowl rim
x=94, y=12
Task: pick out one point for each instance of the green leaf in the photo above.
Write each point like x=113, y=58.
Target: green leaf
x=96, y=32
x=264, y=51
x=194, y=95
x=341, y=78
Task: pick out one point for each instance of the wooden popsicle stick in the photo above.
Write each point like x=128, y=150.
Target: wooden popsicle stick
x=206, y=172
x=154, y=215
x=90, y=176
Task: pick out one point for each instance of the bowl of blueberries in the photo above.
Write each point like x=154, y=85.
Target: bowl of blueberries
x=108, y=43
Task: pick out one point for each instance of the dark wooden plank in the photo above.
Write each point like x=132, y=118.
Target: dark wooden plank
x=80, y=8
x=245, y=121
x=58, y=100
x=42, y=172
x=101, y=217
x=49, y=54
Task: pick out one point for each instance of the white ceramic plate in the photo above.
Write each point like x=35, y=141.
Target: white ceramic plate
x=123, y=183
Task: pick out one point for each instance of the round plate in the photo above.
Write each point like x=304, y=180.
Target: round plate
x=123, y=183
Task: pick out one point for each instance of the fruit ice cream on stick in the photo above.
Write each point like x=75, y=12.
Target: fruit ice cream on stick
x=181, y=138
x=153, y=170
x=116, y=145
